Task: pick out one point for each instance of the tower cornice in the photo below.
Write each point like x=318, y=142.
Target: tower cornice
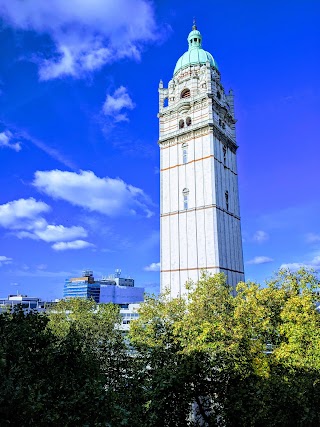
x=183, y=104
x=200, y=131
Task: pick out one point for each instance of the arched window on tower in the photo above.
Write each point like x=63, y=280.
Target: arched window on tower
x=185, y=93
x=185, y=193
x=181, y=124
x=185, y=153
x=226, y=194
x=188, y=121
x=165, y=102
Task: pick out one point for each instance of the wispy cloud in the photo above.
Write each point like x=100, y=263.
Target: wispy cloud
x=7, y=140
x=86, y=34
x=154, y=266
x=52, y=152
x=295, y=266
x=116, y=103
x=5, y=260
x=313, y=238
x=77, y=244
x=54, y=233
x=109, y=196
x=316, y=261
x=313, y=263
x=260, y=260
x=260, y=236
x=129, y=146
x=12, y=139
x=113, y=238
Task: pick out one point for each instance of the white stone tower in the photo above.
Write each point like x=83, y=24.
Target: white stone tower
x=200, y=216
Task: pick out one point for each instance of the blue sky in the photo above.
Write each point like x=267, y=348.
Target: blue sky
x=78, y=132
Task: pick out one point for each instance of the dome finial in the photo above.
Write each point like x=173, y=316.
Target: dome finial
x=194, y=26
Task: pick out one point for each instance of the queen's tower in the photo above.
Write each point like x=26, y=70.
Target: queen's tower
x=200, y=216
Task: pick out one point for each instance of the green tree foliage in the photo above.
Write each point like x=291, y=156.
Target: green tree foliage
x=248, y=360
x=164, y=368
x=210, y=359
x=98, y=326
x=45, y=381
x=68, y=368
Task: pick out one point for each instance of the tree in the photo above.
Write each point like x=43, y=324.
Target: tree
x=45, y=381
x=277, y=326
x=183, y=344
x=209, y=359
x=165, y=370
x=248, y=360
x=69, y=368
x=102, y=339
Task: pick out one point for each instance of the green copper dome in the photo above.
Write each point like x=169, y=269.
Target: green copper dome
x=195, y=54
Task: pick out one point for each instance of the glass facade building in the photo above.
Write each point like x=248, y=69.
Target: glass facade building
x=82, y=287
x=111, y=289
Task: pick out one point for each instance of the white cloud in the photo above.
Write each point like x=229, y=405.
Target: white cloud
x=313, y=238
x=6, y=138
x=316, y=261
x=109, y=196
x=314, y=264
x=77, y=244
x=115, y=103
x=86, y=34
x=260, y=260
x=24, y=217
x=22, y=213
x=5, y=260
x=155, y=266
x=54, y=233
x=260, y=236
x=295, y=266
x=59, y=233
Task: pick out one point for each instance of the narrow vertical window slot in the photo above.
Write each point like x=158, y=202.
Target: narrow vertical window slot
x=227, y=200
x=224, y=156
x=185, y=194
x=184, y=154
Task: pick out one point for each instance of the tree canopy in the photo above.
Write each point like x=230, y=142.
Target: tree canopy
x=209, y=359
x=248, y=360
